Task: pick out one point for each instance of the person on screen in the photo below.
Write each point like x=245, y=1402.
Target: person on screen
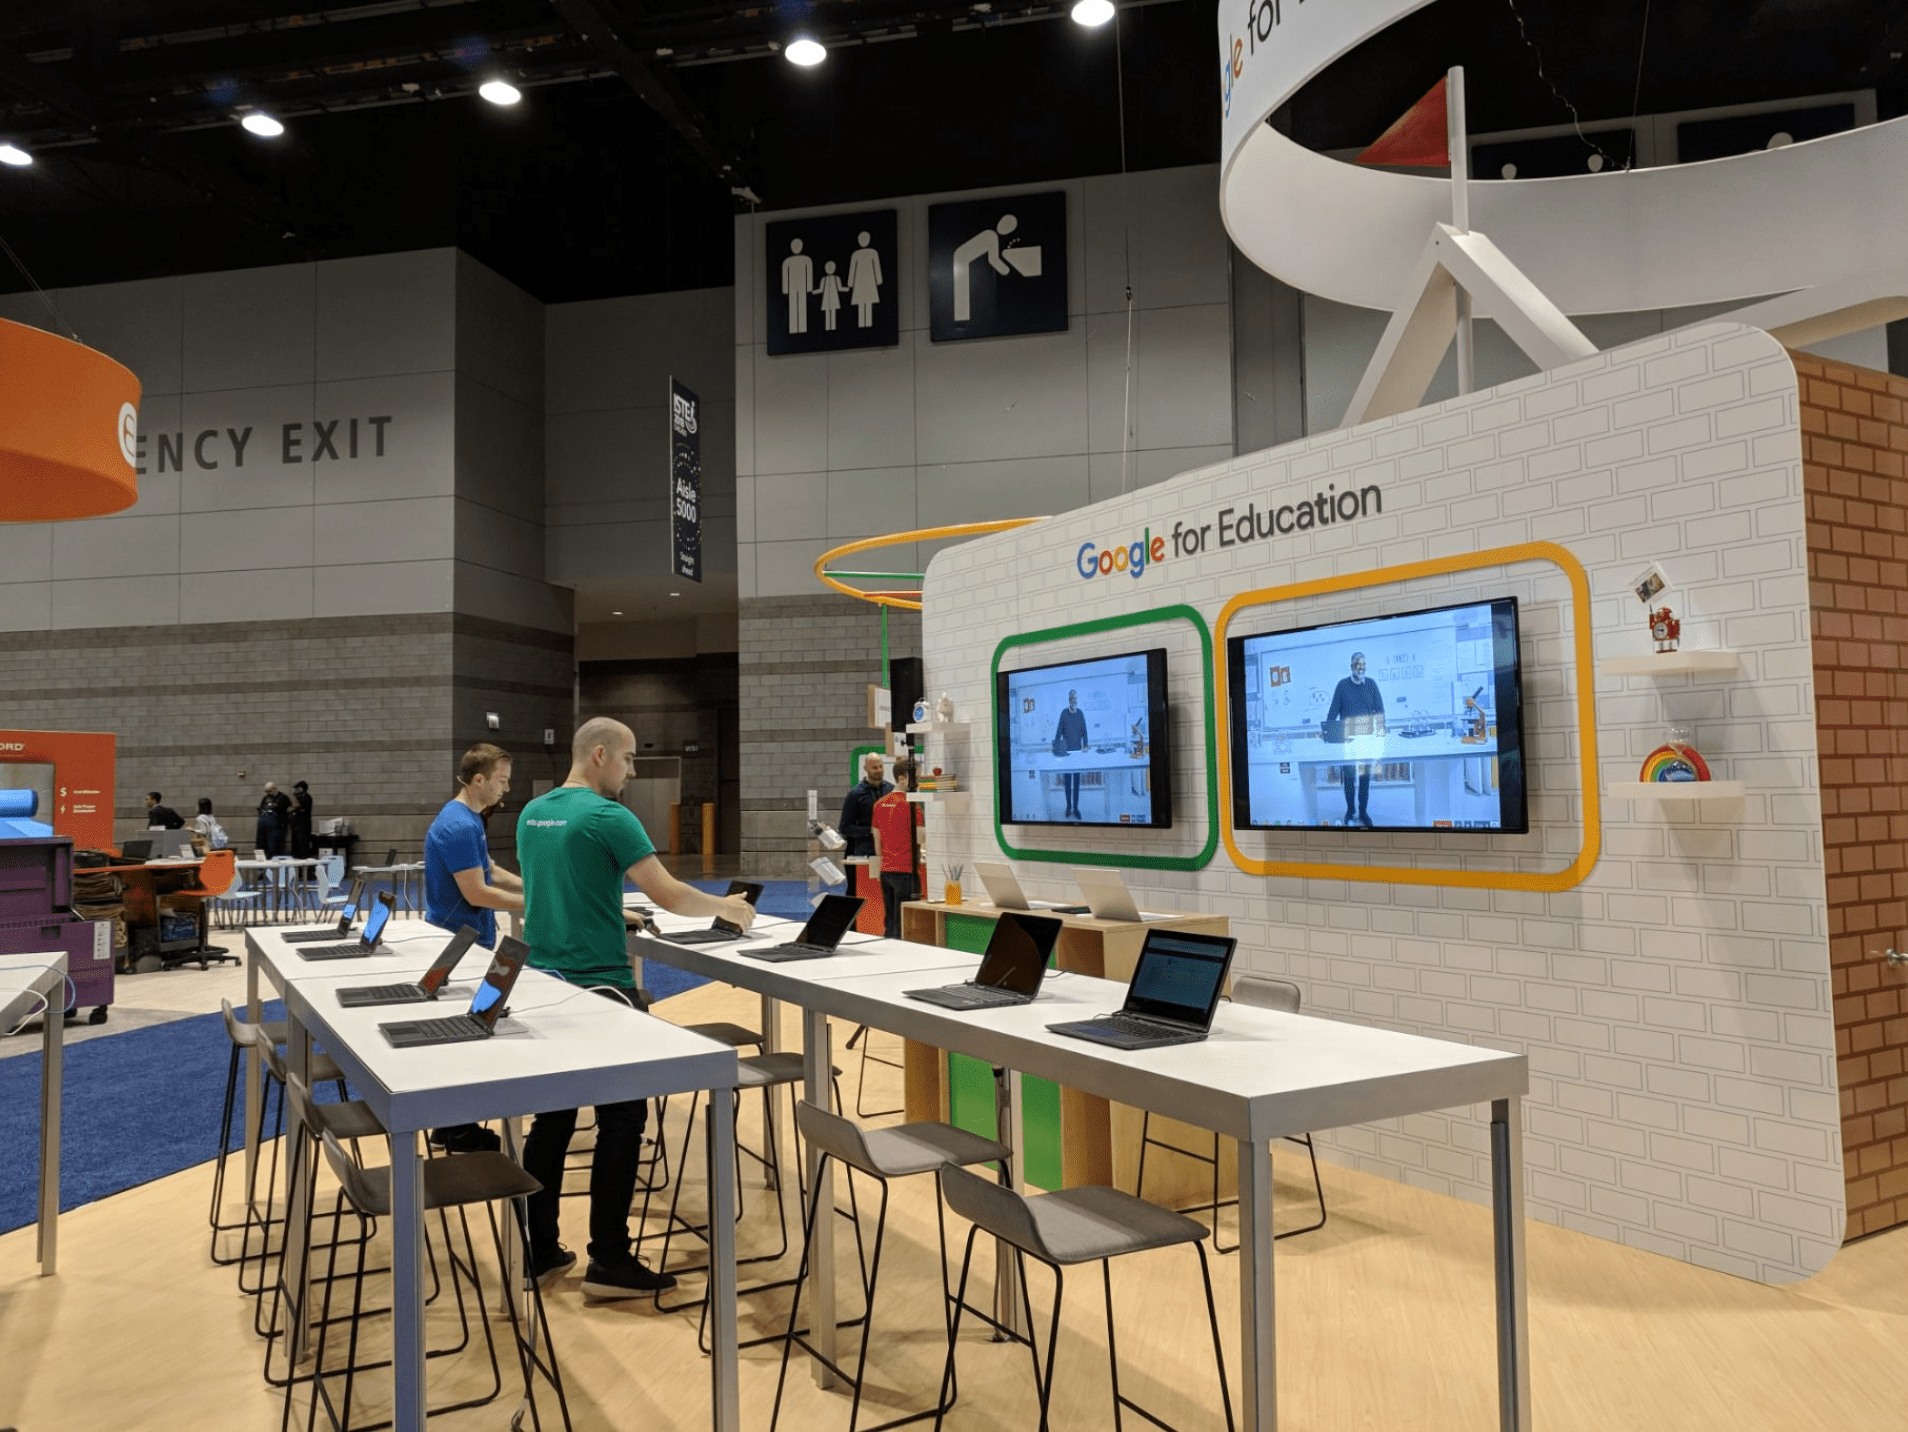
x=1357, y=703
x=1069, y=736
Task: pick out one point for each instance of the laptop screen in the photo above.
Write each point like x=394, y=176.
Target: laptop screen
x=1179, y=976
x=136, y=850
x=441, y=967
x=1017, y=952
x=739, y=887
x=350, y=911
x=830, y=921
x=380, y=917
x=490, y=1003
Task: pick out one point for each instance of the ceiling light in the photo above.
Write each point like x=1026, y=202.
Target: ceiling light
x=16, y=156
x=262, y=124
x=616, y=614
x=1092, y=13
x=675, y=594
x=805, y=52
x=500, y=92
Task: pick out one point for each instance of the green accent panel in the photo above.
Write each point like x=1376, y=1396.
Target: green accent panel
x=854, y=765
x=970, y=1105
x=969, y=933
x=1104, y=857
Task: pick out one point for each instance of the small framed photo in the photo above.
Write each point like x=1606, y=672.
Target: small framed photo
x=1651, y=584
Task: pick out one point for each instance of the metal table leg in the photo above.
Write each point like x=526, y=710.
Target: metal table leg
x=407, y=1283
x=52, y=1072
x=254, y=1078
x=1258, y=1374
x=723, y=1360
x=1010, y=1121
x=1507, y=1238
x=816, y=1061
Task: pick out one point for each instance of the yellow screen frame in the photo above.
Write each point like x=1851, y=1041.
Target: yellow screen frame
x=1548, y=881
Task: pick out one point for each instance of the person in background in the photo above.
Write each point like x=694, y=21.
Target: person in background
x=160, y=815
x=895, y=819
x=206, y=826
x=857, y=811
x=1357, y=704
x=273, y=812
x=462, y=886
x=1070, y=736
x=575, y=846
x=300, y=824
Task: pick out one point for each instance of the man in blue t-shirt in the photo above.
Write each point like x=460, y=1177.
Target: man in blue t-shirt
x=462, y=887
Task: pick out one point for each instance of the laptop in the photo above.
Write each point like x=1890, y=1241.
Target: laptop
x=1011, y=971
x=428, y=985
x=721, y=930
x=488, y=1005
x=1004, y=890
x=1106, y=894
x=169, y=844
x=1175, y=989
x=332, y=932
x=819, y=936
x=366, y=944
x=135, y=852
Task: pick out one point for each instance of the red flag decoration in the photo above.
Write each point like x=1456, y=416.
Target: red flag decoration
x=1421, y=138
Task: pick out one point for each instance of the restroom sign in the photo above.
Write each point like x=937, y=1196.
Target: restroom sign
x=832, y=283
x=997, y=267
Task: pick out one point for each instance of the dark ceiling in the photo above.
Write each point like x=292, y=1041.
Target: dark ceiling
x=619, y=171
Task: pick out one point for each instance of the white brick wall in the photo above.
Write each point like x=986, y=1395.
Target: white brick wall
x=1674, y=1005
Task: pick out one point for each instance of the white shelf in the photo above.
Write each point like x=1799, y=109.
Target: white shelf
x=954, y=801
x=946, y=728
x=1670, y=663
x=1677, y=790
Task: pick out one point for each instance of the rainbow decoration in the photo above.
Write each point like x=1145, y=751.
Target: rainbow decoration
x=1674, y=763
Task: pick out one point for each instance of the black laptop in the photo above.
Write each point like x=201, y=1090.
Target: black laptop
x=488, y=1005
x=428, y=985
x=1010, y=972
x=136, y=852
x=366, y=944
x=1175, y=989
x=819, y=936
x=346, y=916
x=721, y=931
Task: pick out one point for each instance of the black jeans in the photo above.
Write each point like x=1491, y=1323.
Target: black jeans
x=1360, y=774
x=897, y=887
x=271, y=839
x=1071, y=781
x=619, y=1155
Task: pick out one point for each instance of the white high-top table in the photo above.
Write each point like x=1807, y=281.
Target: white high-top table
x=29, y=983
x=573, y=1049
x=1261, y=1076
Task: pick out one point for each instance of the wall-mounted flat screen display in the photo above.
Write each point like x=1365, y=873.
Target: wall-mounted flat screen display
x=1412, y=722
x=1084, y=743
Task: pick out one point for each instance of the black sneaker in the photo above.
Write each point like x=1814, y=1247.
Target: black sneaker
x=627, y=1277
x=466, y=1139
x=547, y=1270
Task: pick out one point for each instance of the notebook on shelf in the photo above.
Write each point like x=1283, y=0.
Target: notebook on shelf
x=1176, y=986
x=1011, y=970
x=1004, y=890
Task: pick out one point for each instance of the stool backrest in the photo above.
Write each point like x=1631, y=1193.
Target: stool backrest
x=835, y=1136
x=274, y=1061
x=999, y=1210
x=357, y=1187
x=1264, y=992
x=243, y=1033
x=300, y=1098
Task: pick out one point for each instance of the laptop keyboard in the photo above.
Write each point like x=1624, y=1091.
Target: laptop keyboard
x=977, y=998
x=458, y=1024
x=332, y=952
x=1136, y=1025
x=396, y=991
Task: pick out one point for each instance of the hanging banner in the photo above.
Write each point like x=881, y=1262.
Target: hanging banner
x=685, y=483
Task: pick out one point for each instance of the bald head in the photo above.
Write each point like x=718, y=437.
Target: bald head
x=600, y=755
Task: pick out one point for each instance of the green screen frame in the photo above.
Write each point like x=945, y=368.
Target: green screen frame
x=1152, y=616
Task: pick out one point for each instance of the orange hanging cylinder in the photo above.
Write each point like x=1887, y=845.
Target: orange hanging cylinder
x=69, y=420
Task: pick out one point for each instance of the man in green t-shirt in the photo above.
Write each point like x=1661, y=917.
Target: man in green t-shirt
x=575, y=846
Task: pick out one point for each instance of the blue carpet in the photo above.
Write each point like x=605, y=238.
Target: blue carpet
x=144, y=1104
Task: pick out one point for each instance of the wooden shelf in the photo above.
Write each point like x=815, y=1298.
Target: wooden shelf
x=1677, y=790
x=953, y=801
x=1671, y=663
x=946, y=728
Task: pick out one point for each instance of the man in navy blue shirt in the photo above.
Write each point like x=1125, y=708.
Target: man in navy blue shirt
x=462, y=887
x=1357, y=704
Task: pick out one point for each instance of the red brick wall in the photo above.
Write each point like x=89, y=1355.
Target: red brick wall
x=1855, y=469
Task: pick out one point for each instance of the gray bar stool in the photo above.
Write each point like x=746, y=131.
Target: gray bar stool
x=1072, y=1226
x=1261, y=992
x=880, y=1154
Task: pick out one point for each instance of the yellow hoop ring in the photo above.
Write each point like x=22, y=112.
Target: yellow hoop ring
x=895, y=539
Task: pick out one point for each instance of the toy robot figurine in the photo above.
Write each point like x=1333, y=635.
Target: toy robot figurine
x=1665, y=630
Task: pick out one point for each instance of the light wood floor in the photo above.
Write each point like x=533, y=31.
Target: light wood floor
x=1384, y=1322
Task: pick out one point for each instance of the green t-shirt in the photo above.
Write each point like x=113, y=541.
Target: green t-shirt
x=573, y=846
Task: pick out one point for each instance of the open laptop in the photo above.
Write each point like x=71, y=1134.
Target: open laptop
x=1004, y=890
x=1010, y=972
x=1175, y=989
x=1106, y=894
x=427, y=986
x=819, y=936
x=346, y=916
x=721, y=930
x=366, y=944
x=169, y=844
x=135, y=852
x=488, y=1005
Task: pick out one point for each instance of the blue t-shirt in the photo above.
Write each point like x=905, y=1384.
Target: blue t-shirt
x=456, y=842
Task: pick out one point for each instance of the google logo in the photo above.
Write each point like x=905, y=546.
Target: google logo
x=1093, y=560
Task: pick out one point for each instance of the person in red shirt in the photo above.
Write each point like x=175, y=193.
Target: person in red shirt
x=894, y=821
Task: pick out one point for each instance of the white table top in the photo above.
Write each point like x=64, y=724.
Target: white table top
x=1389, y=747
x=1045, y=760
x=1261, y=1075
x=25, y=980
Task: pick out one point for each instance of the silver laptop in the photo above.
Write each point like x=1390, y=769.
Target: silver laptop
x=1004, y=890
x=1175, y=989
x=1106, y=893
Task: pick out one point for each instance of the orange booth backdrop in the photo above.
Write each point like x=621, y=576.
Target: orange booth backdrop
x=83, y=765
